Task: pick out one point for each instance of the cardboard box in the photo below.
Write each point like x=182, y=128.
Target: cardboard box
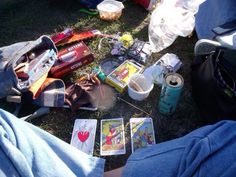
x=120, y=76
x=71, y=58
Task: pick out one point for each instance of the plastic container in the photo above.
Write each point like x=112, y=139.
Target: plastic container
x=110, y=9
x=139, y=87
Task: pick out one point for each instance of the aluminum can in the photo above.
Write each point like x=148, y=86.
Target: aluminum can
x=170, y=93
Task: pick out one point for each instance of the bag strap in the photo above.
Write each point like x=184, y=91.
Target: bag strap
x=223, y=77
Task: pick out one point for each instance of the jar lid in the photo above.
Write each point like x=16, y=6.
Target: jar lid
x=110, y=6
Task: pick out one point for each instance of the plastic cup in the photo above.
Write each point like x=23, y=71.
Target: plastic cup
x=139, y=87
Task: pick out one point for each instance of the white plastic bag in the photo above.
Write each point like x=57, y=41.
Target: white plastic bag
x=171, y=19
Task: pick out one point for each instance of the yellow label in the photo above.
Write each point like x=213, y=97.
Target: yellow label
x=120, y=76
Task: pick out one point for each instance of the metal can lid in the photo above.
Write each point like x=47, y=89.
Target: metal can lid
x=174, y=80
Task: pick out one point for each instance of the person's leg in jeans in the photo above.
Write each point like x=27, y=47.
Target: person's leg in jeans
x=207, y=151
x=26, y=150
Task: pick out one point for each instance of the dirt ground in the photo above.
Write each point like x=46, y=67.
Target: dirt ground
x=25, y=20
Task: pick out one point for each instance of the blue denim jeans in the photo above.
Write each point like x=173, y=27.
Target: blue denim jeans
x=208, y=151
x=213, y=13
x=26, y=150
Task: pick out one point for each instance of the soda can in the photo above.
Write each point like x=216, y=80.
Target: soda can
x=170, y=93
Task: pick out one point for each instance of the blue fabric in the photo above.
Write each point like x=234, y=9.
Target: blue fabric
x=213, y=13
x=26, y=150
x=208, y=151
x=91, y=4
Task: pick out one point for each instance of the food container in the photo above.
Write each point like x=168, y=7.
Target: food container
x=110, y=9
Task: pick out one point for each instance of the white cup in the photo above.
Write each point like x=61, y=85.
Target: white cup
x=139, y=87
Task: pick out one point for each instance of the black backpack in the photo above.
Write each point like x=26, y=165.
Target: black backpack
x=214, y=84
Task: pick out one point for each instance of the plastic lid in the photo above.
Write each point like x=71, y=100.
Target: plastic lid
x=110, y=6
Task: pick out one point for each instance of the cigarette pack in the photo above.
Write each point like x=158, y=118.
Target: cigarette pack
x=71, y=58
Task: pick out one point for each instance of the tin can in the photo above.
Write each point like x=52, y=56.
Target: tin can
x=170, y=93
x=100, y=73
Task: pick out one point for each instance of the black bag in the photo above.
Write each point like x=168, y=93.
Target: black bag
x=214, y=84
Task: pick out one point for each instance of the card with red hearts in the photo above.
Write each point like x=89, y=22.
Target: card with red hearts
x=112, y=140
x=142, y=132
x=83, y=135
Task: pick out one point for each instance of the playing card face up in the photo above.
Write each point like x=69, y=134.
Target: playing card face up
x=83, y=136
x=112, y=140
x=142, y=133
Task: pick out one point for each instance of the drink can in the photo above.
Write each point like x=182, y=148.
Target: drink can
x=170, y=93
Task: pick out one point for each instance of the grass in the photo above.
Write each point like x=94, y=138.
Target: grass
x=28, y=19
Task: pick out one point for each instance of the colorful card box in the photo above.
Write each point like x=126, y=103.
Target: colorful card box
x=120, y=76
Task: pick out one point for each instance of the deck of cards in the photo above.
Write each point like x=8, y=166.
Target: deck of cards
x=142, y=133
x=112, y=137
x=112, y=140
x=83, y=135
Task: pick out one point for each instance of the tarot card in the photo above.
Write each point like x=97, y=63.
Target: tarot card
x=142, y=132
x=83, y=136
x=112, y=140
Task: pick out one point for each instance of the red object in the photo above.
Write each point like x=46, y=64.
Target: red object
x=83, y=136
x=70, y=59
x=113, y=130
x=108, y=140
x=147, y=4
x=56, y=38
x=76, y=37
x=123, y=73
